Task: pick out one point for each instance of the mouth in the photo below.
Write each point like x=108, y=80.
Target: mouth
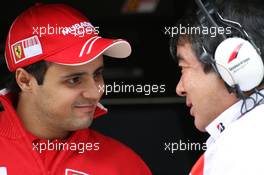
x=86, y=107
x=191, y=112
x=190, y=105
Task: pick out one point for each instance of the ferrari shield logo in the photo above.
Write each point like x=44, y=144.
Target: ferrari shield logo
x=74, y=172
x=18, y=51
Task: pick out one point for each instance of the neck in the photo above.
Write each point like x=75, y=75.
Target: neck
x=35, y=122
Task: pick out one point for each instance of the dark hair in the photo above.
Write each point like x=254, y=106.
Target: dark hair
x=249, y=14
x=38, y=70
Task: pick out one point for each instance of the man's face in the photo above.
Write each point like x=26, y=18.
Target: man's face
x=68, y=97
x=206, y=94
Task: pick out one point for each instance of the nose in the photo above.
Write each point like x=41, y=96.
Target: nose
x=92, y=91
x=180, y=89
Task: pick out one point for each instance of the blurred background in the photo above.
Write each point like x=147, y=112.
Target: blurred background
x=145, y=121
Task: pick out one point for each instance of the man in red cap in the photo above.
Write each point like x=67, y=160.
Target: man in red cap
x=56, y=59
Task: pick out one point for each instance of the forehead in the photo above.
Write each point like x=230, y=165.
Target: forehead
x=88, y=67
x=185, y=54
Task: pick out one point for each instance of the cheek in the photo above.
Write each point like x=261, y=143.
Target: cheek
x=191, y=82
x=207, y=100
x=197, y=86
x=59, y=100
x=65, y=98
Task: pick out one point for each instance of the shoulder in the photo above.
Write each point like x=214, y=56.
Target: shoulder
x=120, y=154
x=109, y=144
x=240, y=147
x=249, y=126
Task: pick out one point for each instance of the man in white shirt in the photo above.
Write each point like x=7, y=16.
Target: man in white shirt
x=222, y=80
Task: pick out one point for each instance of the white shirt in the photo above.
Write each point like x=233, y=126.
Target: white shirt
x=236, y=143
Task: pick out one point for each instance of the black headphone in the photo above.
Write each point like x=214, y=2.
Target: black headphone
x=236, y=59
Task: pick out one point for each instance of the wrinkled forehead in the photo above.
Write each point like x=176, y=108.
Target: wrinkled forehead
x=185, y=53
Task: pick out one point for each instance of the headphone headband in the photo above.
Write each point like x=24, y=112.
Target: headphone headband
x=237, y=58
x=207, y=10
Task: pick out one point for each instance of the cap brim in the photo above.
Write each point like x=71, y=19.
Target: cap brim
x=90, y=49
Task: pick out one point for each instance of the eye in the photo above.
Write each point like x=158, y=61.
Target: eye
x=74, y=81
x=98, y=75
x=183, y=67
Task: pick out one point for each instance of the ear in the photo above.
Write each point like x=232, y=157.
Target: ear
x=25, y=80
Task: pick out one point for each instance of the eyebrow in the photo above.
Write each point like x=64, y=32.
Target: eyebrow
x=76, y=74
x=101, y=68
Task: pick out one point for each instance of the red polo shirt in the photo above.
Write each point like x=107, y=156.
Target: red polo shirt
x=85, y=152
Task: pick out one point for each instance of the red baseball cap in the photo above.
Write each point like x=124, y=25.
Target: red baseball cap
x=60, y=34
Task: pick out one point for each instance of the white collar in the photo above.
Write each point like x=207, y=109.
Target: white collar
x=230, y=115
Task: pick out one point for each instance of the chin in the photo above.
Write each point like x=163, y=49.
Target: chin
x=79, y=127
x=79, y=124
x=199, y=126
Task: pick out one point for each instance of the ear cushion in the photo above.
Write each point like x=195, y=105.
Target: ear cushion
x=239, y=63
